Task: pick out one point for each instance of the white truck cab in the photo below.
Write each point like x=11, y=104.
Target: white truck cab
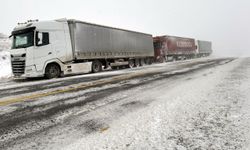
x=41, y=49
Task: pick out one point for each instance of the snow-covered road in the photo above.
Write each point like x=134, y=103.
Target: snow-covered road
x=198, y=104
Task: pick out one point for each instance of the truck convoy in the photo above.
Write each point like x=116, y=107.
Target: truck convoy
x=63, y=47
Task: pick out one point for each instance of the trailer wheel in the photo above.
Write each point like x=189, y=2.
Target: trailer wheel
x=137, y=63
x=150, y=61
x=96, y=66
x=131, y=63
x=161, y=60
x=52, y=71
x=142, y=62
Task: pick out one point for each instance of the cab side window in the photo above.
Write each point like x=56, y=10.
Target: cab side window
x=42, y=38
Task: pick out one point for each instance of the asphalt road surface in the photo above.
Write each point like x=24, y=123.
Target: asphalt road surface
x=193, y=104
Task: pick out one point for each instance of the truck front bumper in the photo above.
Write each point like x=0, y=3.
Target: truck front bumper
x=31, y=72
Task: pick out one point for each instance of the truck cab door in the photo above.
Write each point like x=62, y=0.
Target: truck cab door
x=43, y=50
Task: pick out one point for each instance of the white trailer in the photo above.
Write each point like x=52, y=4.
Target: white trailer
x=204, y=48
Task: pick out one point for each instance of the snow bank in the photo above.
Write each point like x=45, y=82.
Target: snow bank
x=5, y=65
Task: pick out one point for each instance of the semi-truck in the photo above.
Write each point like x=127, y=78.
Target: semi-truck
x=173, y=48
x=204, y=48
x=67, y=46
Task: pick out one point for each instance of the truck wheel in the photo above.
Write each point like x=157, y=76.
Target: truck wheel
x=161, y=60
x=137, y=63
x=142, y=62
x=131, y=63
x=96, y=66
x=52, y=71
x=149, y=61
x=115, y=67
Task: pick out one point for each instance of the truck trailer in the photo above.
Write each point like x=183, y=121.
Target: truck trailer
x=204, y=48
x=173, y=48
x=63, y=47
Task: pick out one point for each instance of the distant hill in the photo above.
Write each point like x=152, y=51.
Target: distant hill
x=4, y=42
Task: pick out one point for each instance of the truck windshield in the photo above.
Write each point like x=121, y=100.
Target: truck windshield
x=23, y=40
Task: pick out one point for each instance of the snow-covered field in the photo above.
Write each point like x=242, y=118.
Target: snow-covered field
x=4, y=42
x=5, y=68
x=5, y=65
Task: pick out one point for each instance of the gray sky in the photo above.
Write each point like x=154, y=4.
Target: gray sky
x=225, y=22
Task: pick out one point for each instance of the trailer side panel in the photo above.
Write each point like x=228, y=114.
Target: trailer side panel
x=90, y=41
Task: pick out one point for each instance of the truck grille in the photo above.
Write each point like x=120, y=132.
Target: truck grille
x=18, y=65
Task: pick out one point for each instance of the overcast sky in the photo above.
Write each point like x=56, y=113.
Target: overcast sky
x=224, y=22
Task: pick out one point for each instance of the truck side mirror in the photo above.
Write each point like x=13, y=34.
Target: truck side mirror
x=42, y=38
x=39, y=37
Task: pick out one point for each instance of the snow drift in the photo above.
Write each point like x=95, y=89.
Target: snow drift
x=5, y=65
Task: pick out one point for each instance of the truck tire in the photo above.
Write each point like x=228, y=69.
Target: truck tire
x=149, y=61
x=96, y=66
x=52, y=71
x=137, y=63
x=131, y=63
x=142, y=62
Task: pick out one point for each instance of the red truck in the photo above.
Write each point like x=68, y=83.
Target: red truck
x=173, y=48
